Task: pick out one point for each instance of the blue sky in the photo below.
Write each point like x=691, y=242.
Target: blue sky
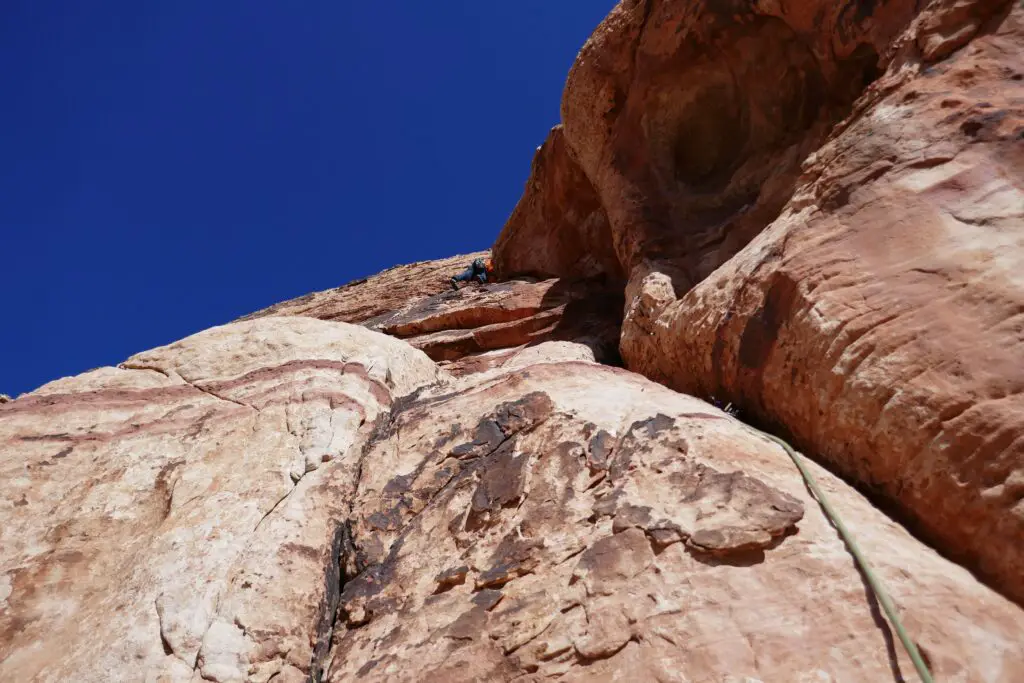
x=168, y=166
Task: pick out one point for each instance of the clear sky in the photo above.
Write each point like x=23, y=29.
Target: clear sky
x=169, y=166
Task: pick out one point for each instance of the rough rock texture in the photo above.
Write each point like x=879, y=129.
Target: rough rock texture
x=454, y=490
x=879, y=319
x=382, y=293
x=173, y=518
x=478, y=327
x=507, y=317
x=691, y=118
x=252, y=504
x=876, y=153
x=576, y=521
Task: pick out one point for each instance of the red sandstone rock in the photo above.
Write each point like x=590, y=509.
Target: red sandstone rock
x=508, y=316
x=288, y=499
x=496, y=320
x=475, y=306
x=575, y=521
x=558, y=228
x=874, y=317
x=381, y=293
x=292, y=499
x=690, y=120
x=176, y=517
x=877, y=320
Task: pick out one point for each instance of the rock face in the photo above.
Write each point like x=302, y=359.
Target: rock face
x=481, y=327
x=253, y=503
x=382, y=293
x=575, y=521
x=558, y=228
x=690, y=120
x=177, y=518
x=812, y=210
x=478, y=327
x=878, y=319
x=873, y=153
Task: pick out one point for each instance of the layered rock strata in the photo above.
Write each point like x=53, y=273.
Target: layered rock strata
x=376, y=295
x=478, y=327
x=177, y=518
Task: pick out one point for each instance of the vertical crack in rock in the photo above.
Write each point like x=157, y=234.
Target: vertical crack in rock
x=341, y=568
x=276, y=505
x=165, y=641
x=344, y=564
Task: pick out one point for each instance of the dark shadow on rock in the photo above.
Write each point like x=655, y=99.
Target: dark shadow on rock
x=592, y=316
x=742, y=557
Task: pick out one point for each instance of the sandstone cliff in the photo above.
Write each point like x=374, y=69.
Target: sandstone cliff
x=811, y=210
x=818, y=209
x=254, y=503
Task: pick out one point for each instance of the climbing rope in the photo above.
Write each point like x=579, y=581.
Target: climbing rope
x=873, y=581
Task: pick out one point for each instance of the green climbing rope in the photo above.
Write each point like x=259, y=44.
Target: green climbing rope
x=875, y=583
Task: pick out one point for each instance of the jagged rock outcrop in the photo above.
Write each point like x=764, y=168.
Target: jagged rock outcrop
x=576, y=521
x=478, y=327
x=483, y=327
x=558, y=228
x=872, y=151
x=376, y=295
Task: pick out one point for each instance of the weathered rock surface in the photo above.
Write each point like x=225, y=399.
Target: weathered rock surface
x=173, y=519
x=252, y=504
x=506, y=317
x=878, y=320
x=469, y=496
x=478, y=327
x=875, y=152
x=690, y=120
x=376, y=295
x=577, y=521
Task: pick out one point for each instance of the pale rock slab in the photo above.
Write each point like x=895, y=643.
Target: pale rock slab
x=151, y=526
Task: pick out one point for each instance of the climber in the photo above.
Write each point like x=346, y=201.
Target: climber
x=479, y=270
